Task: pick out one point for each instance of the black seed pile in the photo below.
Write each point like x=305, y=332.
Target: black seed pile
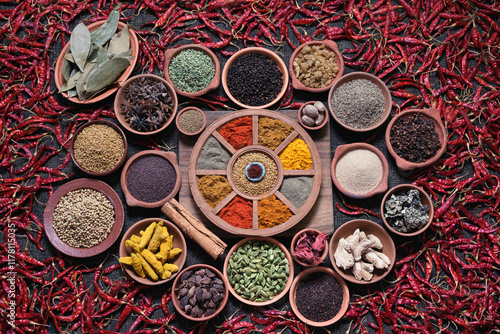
x=414, y=138
x=254, y=79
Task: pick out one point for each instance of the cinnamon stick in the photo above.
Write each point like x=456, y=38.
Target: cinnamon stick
x=195, y=229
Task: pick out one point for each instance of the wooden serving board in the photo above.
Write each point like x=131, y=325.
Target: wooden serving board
x=319, y=217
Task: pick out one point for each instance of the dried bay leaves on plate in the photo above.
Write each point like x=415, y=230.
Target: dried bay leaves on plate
x=80, y=42
x=107, y=30
x=66, y=69
x=82, y=95
x=71, y=83
x=105, y=74
x=120, y=42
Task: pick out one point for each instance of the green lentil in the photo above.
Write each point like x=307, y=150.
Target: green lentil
x=252, y=282
x=191, y=70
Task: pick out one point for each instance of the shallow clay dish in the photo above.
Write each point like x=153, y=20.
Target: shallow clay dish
x=424, y=198
x=345, y=296
x=294, y=242
x=117, y=129
x=290, y=275
x=373, y=79
x=194, y=268
x=343, y=149
x=259, y=50
x=59, y=78
x=332, y=46
x=120, y=95
x=188, y=133
x=172, y=53
x=178, y=242
x=368, y=227
x=132, y=201
x=81, y=184
x=317, y=127
x=433, y=115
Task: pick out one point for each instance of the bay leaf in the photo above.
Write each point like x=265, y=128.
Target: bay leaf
x=120, y=42
x=69, y=57
x=107, y=30
x=81, y=81
x=93, y=53
x=105, y=74
x=71, y=82
x=125, y=54
x=72, y=93
x=66, y=69
x=80, y=45
x=102, y=55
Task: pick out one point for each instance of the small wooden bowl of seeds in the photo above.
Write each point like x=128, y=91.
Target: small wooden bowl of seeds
x=99, y=148
x=313, y=115
x=190, y=121
x=159, y=252
x=328, y=62
x=146, y=104
x=73, y=207
x=256, y=290
x=200, y=292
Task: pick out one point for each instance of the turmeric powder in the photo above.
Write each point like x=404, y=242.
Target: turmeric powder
x=296, y=155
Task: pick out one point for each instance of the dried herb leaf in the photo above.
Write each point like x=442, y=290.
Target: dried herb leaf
x=105, y=74
x=102, y=55
x=125, y=54
x=107, y=30
x=80, y=84
x=72, y=93
x=66, y=69
x=69, y=57
x=119, y=43
x=80, y=45
x=71, y=82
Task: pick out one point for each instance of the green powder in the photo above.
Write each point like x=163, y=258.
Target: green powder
x=213, y=156
x=191, y=70
x=297, y=189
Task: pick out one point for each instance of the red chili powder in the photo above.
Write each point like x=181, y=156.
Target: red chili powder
x=238, y=213
x=238, y=132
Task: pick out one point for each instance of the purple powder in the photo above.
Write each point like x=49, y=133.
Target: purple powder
x=151, y=179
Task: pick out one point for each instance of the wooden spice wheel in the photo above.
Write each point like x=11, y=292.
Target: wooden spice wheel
x=256, y=114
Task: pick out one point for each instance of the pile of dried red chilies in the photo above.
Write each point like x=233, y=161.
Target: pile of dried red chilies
x=441, y=54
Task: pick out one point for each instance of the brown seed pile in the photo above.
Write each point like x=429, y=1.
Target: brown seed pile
x=98, y=148
x=83, y=218
x=315, y=66
x=259, y=187
x=191, y=121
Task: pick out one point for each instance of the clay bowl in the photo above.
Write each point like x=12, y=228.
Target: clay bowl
x=343, y=149
x=80, y=184
x=177, y=282
x=294, y=242
x=424, y=198
x=290, y=275
x=345, y=296
x=373, y=79
x=433, y=115
x=120, y=95
x=117, y=129
x=189, y=133
x=172, y=53
x=178, y=242
x=259, y=50
x=368, y=227
x=317, y=127
x=132, y=201
x=330, y=45
x=59, y=78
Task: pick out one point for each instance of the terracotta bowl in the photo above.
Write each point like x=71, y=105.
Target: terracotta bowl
x=373, y=79
x=172, y=53
x=80, y=184
x=259, y=50
x=178, y=242
x=332, y=46
x=132, y=201
x=433, y=115
x=59, y=78
x=345, y=296
x=188, y=133
x=294, y=242
x=368, y=227
x=290, y=275
x=177, y=282
x=424, y=198
x=120, y=95
x=117, y=129
x=343, y=149
x=312, y=127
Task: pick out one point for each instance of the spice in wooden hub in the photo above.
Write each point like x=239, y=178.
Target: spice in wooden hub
x=255, y=187
x=255, y=171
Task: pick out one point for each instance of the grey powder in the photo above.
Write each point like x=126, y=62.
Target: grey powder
x=297, y=189
x=213, y=156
